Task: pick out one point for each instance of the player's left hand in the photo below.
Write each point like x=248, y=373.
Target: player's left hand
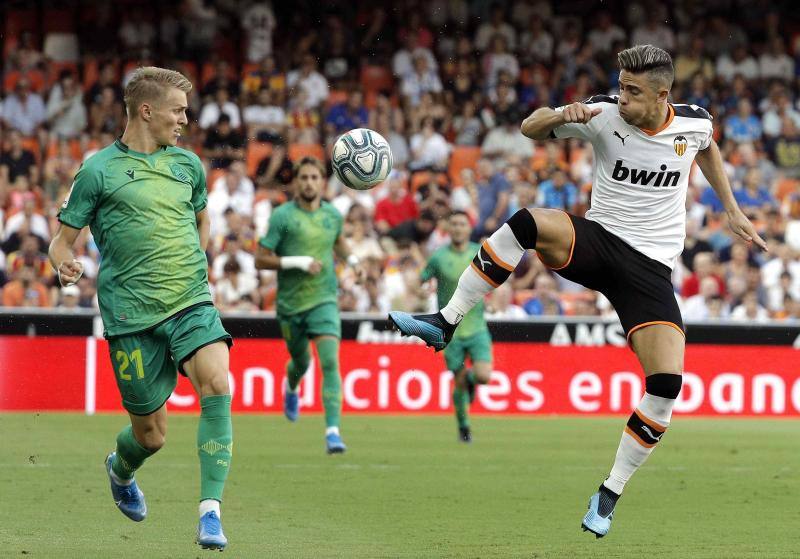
x=69, y=272
x=740, y=225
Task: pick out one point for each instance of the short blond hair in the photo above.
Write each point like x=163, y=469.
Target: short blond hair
x=149, y=84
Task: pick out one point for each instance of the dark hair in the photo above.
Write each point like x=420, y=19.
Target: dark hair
x=427, y=215
x=308, y=160
x=648, y=59
x=455, y=213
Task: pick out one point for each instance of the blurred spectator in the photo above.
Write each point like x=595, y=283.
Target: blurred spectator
x=265, y=120
x=536, y=42
x=557, y=193
x=744, y=126
x=60, y=169
x=27, y=221
x=398, y=206
x=235, y=290
x=221, y=105
x=723, y=36
x=740, y=63
x=223, y=144
x=604, y=34
x=304, y=122
x=223, y=78
x=506, y=141
x=422, y=79
x=23, y=109
x=545, y=301
x=29, y=255
x=691, y=60
x=497, y=60
x=136, y=35
x=69, y=297
x=403, y=60
x=467, y=127
x=429, y=149
x=750, y=310
x=701, y=305
x=16, y=160
x=25, y=290
x=654, y=32
x=347, y=115
x=310, y=81
x=775, y=63
x=500, y=305
x=493, y=194
x=259, y=23
x=776, y=117
x=414, y=230
x=495, y=26
x=266, y=76
x=106, y=113
x=753, y=194
x=233, y=190
x=107, y=78
x=704, y=263
x=66, y=113
x=232, y=252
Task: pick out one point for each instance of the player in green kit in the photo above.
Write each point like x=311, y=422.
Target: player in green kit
x=303, y=235
x=144, y=200
x=471, y=338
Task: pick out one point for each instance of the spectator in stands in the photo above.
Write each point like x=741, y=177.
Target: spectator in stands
x=398, y=206
x=69, y=297
x=223, y=144
x=422, y=79
x=60, y=169
x=107, y=114
x=259, y=23
x=310, y=81
x=24, y=222
x=25, y=290
x=23, y=109
x=744, y=126
x=429, y=149
x=545, y=301
x=753, y=195
x=750, y=310
x=778, y=113
x=233, y=252
x=403, y=60
x=691, y=60
x=414, y=230
x=557, y=192
x=233, y=190
x=699, y=306
x=723, y=36
x=498, y=59
x=495, y=26
x=304, y=122
x=467, y=127
x=739, y=63
x=29, y=255
x=506, y=141
x=704, y=266
x=604, y=34
x=536, y=43
x=493, y=193
x=397, y=142
x=107, y=77
x=357, y=235
x=16, y=160
x=236, y=290
x=137, y=35
x=223, y=78
x=265, y=120
x=500, y=305
x=221, y=105
x=66, y=113
x=266, y=76
x=775, y=63
x=347, y=115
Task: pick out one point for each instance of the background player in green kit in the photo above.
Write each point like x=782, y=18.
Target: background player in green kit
x=145, y=202
x=302, y=237
x=471, y=338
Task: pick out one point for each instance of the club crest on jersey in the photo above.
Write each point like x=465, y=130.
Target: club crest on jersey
x=179, y=173
x=680, y=144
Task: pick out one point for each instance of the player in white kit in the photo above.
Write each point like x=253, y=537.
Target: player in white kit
x=626, y=246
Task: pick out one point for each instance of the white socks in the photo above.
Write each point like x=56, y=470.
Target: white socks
x=645, y=428
x=496, y=259
x=207, y=505
x=331, y=431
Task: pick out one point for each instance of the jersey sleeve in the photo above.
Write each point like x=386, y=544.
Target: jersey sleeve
x=706, y=135
x=275, y=233
x=199, y=188
x=82, y=200
x=592, y=128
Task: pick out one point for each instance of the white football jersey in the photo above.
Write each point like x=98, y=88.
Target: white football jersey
x=640, y=176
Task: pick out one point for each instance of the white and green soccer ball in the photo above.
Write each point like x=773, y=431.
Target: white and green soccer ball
x=361, y=158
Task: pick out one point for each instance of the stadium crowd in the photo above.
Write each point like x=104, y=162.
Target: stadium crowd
x=447, y=82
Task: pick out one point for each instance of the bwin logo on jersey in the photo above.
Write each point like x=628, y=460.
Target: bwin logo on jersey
x=645, y=177
x=680, y=144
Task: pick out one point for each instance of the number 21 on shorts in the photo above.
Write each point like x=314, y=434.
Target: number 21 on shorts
x=124, y=362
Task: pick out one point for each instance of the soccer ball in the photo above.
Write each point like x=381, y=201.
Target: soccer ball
x=361, y=158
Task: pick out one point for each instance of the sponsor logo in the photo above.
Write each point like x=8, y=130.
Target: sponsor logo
x=680, y=143
x=483, y=262
x=621, y=139
x=662, y=177
x=647, y=430
x=179, y=173
x=129, y=172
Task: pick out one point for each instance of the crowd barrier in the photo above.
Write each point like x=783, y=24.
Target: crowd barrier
x=60, y=362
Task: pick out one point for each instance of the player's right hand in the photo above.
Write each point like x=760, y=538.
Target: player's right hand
x=580, y=113
x=315, y=267
x=69, y=272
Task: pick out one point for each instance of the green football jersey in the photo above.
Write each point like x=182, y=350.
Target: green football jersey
x=141, y=210
x=294, y=231
x=447, y=265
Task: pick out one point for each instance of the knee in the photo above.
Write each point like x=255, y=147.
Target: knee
x=153, y=439
x=329, y=362
x=665, y=385
x=215, y=385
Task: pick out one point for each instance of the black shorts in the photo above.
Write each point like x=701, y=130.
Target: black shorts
x=639, y=287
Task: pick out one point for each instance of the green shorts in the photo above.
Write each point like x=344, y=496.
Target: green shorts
x=478, y=347
x=145, y=363
x=297, y=329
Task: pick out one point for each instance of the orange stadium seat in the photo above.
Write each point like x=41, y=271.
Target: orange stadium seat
x=256, y=151
x=376, y=78
x=463, y=157
x=75, y=149
x=335, y=97
x=298, y=151
x=212, y=177
x=32, y=145
x=55, y=68
x=785, y=186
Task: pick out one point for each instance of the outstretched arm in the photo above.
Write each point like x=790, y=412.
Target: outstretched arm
x=539, y=125
x=61, y=256
x=710, y=162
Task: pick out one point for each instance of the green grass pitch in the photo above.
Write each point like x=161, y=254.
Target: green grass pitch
x=407, y=488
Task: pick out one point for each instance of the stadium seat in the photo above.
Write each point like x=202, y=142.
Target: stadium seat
x=298, y=151
x=256, y=151
x=785, y=186
x=376, y=78
x=335, y=97
x=212, y=177
x=55, y=68
x=75, y=149
x=32, y=144
x=421, y=178
x=462, y=157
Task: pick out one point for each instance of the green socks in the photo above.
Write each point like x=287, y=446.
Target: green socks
x=214, y=445
x=328, y=351
x=461, y=404
x=130, y=454
x=296, y=368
